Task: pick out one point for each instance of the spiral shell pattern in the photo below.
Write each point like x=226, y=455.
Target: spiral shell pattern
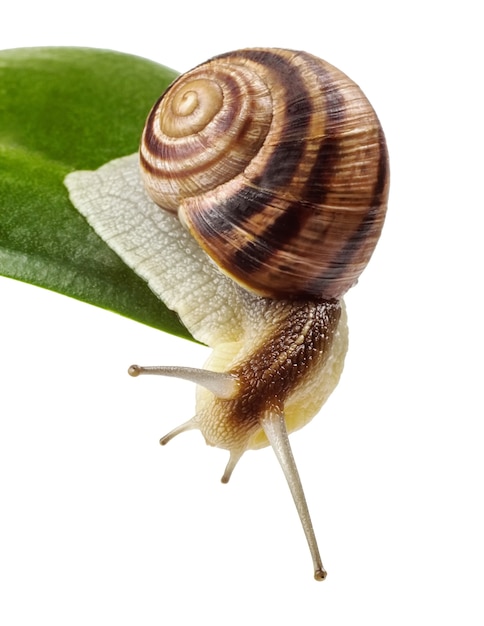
x=277, y=164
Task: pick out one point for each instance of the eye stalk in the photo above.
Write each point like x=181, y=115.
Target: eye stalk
x=224, y=386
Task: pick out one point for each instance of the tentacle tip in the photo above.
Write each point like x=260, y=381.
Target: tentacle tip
x=164, y=441
x=134, y=370
x=225, y=479
x=320, y=573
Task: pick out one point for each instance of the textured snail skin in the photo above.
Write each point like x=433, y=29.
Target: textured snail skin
x=289, y=361
x=277, y=164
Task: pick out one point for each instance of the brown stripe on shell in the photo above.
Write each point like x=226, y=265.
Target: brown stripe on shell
x=359, y=247
x=286, y=228
x=270, y=173
x=275, y=168
x=159, y=147
x=282, y=363
x=178, y=167
x=333, y=240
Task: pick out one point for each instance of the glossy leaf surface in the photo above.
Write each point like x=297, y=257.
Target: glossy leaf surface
x=64, y=109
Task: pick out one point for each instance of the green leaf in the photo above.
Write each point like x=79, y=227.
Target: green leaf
x=64, y=109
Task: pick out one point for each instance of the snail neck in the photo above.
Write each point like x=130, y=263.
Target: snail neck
x=285, y=361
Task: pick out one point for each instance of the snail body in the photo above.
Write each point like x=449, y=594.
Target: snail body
x=272, y=172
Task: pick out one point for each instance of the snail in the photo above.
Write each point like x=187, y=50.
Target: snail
x=256, y=201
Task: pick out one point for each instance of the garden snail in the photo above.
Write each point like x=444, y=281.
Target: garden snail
x=276, y=166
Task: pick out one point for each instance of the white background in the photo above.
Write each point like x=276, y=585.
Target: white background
x=99, y=525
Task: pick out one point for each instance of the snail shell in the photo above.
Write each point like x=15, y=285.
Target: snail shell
x=277, y=164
